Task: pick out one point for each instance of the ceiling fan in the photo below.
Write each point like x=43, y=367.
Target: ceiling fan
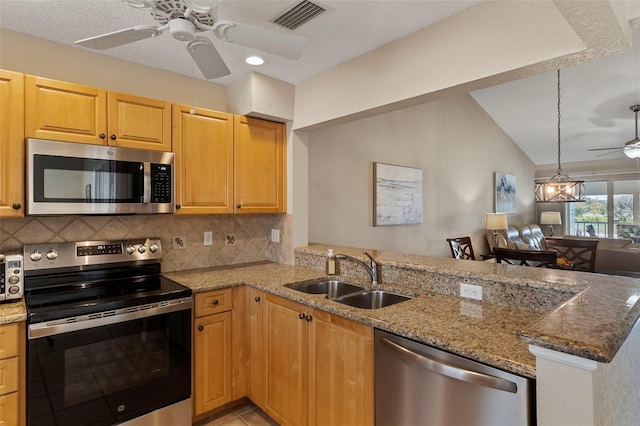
x=632, y=148
x=185, y=19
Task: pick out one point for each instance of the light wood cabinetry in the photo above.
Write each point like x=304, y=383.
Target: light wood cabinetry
x=12, y=375
x=212, y=366
x=228, y=164
x=319, y=366
x=11, y=144
x=71, y=112
x=203, y=147
x=256, y=371
x=260, y=166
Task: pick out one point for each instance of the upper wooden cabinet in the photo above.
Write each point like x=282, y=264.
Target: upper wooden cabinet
x=203, y=147
x=260, y=166
x=11, y=144
x=70, y=112
x=228, y=164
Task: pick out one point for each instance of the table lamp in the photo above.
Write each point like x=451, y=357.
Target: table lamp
x=550, y=218
x=494, y=222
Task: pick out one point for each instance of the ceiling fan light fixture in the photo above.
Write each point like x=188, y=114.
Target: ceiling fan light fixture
x=560, y=188
x=181, y=29
x=632, y=150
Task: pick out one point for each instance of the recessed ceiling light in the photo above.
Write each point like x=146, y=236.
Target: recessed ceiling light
x=254, y=60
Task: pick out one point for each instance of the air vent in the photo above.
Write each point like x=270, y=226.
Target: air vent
x=298, y=14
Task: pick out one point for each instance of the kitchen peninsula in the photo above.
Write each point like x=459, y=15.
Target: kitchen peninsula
x=580, y=326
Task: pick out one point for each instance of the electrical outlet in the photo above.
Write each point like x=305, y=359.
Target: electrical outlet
x=208, y=238
x=471, y=291
x=275, y=235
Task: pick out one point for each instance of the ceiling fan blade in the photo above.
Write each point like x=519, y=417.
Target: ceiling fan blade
x=207, y=58
x=604, y=149
x=609, y=153
x=289, y=46
x=119, y=38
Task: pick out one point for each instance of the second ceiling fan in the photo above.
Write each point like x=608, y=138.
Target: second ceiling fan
x=185, y=19
x=631, y=148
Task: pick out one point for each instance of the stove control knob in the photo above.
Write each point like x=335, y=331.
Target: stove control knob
x=142, y=248
x=52, y=254
x=153, y=248
x=36, y=255
x=130, y=249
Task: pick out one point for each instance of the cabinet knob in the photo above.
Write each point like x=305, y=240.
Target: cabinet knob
x=16, y=206
x=257, y=299
x=239, y=206
x=215, y=302
x=301, y=315
x=200, y=327
x=308, y=318
x=113, y=137
x=178, y=206
x=102, y=135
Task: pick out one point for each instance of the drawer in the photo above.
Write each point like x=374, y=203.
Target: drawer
x=213, y=302
x=9, y=340
x=9, y=409
x=8, y=375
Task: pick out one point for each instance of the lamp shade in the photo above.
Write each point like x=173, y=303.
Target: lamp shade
x=550, y=218
x=495, y=221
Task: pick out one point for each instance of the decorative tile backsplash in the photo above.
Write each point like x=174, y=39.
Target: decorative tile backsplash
x=251, y=236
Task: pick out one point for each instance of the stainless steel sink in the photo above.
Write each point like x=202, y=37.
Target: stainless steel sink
x=332, y=288
x=371, y=299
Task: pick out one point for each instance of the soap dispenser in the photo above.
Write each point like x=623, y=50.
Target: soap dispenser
x=331, y=263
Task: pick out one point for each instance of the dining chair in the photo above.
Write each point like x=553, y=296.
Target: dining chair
x=538, y=258
x=461, y=248
x=581, y=252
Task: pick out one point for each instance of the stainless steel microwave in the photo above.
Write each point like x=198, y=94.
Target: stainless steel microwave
x=75, y=178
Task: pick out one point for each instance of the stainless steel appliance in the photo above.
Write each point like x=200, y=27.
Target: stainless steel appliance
x=109, y=338
x=417, y=384
x=75, y=178
x=11, y=281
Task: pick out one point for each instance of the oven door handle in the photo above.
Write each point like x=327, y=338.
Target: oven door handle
x=65, y=325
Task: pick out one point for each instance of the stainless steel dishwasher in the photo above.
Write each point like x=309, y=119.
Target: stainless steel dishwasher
x=417, y=385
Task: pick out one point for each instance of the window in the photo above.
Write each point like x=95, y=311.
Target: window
x=609, y=206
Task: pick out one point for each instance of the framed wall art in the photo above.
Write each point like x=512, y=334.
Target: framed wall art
x=505, y=193
x=397, y=198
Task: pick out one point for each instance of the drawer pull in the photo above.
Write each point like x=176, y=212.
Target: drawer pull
x=216, y=302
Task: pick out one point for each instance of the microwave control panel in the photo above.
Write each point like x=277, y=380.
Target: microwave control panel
x=161, y=191
x=11, y=281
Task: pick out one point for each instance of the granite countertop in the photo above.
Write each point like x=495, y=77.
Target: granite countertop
x=11, y=312
x=484, y=332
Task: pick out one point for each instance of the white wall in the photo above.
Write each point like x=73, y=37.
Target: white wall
x=458, y=147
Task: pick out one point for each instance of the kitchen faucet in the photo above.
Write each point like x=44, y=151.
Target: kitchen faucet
x=372, y=269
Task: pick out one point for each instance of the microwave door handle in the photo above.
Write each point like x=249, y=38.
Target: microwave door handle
x=146, y=182
x=87, y=192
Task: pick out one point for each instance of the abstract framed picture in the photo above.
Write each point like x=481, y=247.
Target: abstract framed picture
x=505, y=193
x=397, y=195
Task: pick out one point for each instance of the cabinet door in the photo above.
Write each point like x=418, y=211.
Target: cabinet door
x=9, y=409
x=212, y=366
x=256, y=363
x=286, y=361
x=11, y=144
x=203, y=145
x=340, y=371
x=64, y=111
x=260, y=166
x=136, y=122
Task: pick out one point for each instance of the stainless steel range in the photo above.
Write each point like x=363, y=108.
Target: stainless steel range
x=109, y=338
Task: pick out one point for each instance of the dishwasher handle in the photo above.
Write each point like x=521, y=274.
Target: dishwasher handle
x=451, y=371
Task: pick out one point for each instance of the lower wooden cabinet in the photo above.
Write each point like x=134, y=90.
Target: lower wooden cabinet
x=319, y=367
x=12, y=375
x=212, y=366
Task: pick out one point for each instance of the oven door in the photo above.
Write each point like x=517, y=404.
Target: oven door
x=130, y=365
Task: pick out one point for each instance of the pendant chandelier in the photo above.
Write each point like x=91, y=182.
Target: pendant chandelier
x=560, y=188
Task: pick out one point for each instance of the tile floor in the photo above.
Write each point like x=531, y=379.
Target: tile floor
x=243, y=415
